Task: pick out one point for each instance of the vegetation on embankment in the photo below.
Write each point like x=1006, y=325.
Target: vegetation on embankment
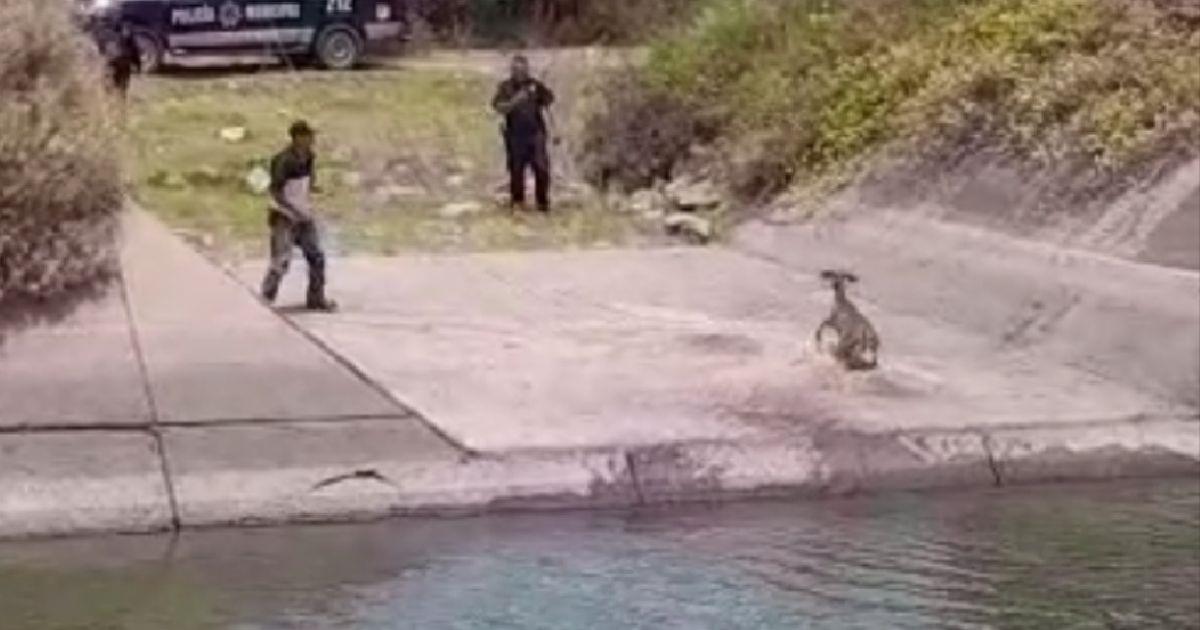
x=798, y=91
x=59, y=184
x=548, y=22
x=409, y=159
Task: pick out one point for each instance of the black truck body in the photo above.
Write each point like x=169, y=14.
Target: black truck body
x=336, y=33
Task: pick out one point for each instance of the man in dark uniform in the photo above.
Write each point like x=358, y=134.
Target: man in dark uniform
x=292, y=221
x=523, y=101
x=121, y=55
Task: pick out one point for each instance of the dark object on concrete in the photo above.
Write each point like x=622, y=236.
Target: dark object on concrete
x=858, y=343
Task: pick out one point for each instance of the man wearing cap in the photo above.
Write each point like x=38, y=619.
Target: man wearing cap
x=291, y=218
x=523, y=101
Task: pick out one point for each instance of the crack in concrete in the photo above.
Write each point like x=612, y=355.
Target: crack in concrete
x=350, y=366
x=631, y=465
x=993, y=465
x=205, y=423
x=153, y=429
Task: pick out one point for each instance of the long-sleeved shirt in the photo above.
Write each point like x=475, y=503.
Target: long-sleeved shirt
x=525, y=118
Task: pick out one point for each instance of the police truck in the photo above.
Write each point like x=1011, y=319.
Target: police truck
x=333, y=33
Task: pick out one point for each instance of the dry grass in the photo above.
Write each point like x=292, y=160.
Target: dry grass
x=59, y=183
x=397, y=145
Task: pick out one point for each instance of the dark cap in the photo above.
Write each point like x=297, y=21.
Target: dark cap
x=300, y=128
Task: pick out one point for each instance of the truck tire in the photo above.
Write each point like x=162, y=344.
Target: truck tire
x=338, y=47
x=150, y=49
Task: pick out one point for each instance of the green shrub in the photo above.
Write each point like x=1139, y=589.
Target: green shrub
x=804, y=88
x=59, y=184
x=549, y=22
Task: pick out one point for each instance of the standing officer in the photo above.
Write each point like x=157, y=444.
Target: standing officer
x=292, y=221
x=523, y=100
x=121, y=55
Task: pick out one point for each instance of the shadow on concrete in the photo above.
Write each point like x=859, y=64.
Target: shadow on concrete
x=19, y=313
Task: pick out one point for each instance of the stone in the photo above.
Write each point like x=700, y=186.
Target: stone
x=653, y=215
x=693, y=228
x=258, y=180
x=168, y=179
x=205, y=175
x=386, y=194
x=687, y=194
x=644, y=201
x=460, y=209
x=456, y=181
x=351, y=179
x=233, y=134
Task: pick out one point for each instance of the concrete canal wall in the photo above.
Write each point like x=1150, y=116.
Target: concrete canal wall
x=458, y=384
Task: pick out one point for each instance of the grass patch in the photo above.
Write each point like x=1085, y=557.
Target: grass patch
x=395, y=148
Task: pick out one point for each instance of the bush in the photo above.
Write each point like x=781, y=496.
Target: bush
x=59, y=184
x=805, y=88
x=549, y=22
x=636, y=136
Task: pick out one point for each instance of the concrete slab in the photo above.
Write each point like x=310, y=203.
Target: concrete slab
x=288, y=472
x=212, y=352
x=73, y=483
x=1135, y=325
x=82, y=370
x=637, y=348
x=1056, y=452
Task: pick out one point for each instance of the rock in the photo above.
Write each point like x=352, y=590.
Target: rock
x=687, y=194
x=644, y=201
x=385, y=194
x=351, y=179
x=653, y=215
x=341, y=154
x=456, y=181
x=460, y=209
x=167, y=179
x=258, y=180
x=205, y=175
x=198, y=240
x=694, y=228
x=396, y=191
x=233, y=134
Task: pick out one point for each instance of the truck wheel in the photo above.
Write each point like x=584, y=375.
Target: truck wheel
x=150, y=49
x=339, y=48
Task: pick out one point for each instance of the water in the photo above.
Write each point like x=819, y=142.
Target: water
x=1099, y=556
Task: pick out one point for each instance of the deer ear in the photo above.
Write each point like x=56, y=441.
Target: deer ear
x=829, y=275
x=850, y=277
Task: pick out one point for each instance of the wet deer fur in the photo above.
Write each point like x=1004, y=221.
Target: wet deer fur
x=858, y=343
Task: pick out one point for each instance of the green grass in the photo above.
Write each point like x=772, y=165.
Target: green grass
x=807, y=88
x=394, y=147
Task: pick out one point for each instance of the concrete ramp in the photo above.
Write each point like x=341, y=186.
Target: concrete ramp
x=1133, y=325
x=600, y=378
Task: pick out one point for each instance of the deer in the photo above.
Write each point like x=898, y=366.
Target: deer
x=858, y=344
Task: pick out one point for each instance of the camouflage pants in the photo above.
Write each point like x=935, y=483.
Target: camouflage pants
x=285, y=235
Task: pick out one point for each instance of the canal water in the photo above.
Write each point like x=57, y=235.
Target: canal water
x=1100, y=556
